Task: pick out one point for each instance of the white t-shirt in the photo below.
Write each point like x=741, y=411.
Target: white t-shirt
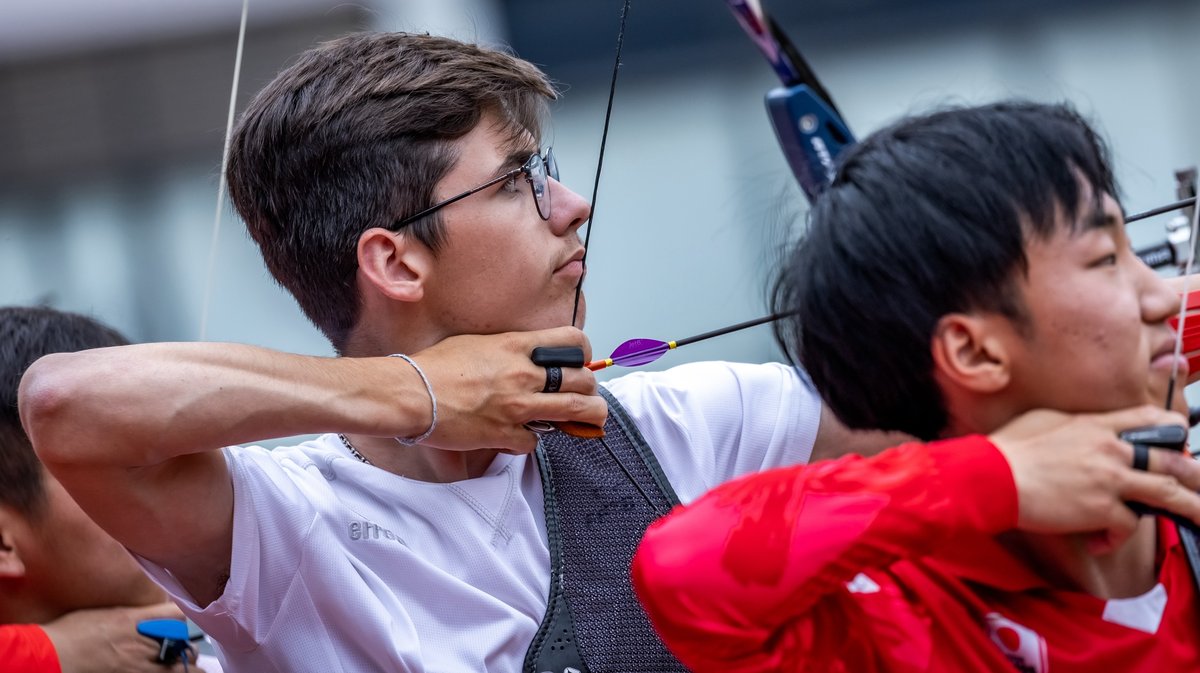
x=341, y=566
x=209, y=664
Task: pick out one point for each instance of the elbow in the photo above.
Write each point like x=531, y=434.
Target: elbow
x=45, y=399
x=679, y=577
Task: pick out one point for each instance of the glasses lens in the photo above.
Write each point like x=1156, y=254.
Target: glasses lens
x=540, y=184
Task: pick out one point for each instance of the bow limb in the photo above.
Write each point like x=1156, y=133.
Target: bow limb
x=807, y=124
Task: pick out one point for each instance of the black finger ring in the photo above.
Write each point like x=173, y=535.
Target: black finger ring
x=553, y=380
x=539, y=427
x=560, y=356
x=1141, y=457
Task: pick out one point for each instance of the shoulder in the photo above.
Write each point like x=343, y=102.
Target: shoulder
x=302, y=474
x=710, y=421
x=298, y=457
x=700, y=383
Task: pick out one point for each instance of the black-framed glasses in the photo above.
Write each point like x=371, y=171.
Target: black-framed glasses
x=537, y=169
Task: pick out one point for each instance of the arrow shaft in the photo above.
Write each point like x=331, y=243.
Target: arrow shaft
x=661, y=348
x=1183, y=203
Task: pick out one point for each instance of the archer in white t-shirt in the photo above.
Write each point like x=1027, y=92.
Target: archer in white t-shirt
x=398, y=188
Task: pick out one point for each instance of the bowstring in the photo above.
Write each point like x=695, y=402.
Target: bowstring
x=1183, y=307
x=216, y=228
x=612, y=90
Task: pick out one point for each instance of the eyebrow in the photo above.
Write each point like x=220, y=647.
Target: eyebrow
x=515, y=159
x=1098, y=218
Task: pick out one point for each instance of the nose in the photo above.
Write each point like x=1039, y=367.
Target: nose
x=1159, y=301
x=570, y=210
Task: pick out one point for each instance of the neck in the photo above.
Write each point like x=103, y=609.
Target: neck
x=968, y=414
x=18, y=606
x=423, y=463
x=363, y=343
x=386, y=326
x=1064, y=561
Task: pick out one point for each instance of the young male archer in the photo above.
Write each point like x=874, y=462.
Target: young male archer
x=987, y=253
x=402, y=188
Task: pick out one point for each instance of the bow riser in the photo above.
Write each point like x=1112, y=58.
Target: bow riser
x=811, y=133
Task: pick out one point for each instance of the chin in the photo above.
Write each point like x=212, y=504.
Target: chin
x=569, y=310
x=560, y=317
x=1156, y=395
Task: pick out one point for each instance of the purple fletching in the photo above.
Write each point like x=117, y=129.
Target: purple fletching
x=639, y=352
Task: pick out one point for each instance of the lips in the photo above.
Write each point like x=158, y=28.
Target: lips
x=1164, y=357
x=575, y=259
x=1166, y=347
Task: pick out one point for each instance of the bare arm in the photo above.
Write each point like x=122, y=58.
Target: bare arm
x=133, y=432
x=106, y=640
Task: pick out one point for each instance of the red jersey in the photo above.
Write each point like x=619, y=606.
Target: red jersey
x=25, y=648
x=891, y=563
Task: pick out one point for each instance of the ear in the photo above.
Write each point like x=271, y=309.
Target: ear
x=396, y=265
x=11, y=565
x=971, y=352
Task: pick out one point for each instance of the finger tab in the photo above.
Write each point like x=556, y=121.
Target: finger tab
x=582, y=430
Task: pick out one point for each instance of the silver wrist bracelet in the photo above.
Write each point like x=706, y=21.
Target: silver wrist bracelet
x=409, y=441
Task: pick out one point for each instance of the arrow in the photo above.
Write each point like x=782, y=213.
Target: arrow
x=1178, y=205
x=637, y=352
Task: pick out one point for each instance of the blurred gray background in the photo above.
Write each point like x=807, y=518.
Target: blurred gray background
x=112, y=116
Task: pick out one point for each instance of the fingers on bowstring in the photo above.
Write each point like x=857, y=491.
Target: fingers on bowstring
x=1178, y=465
x=565, y=406
x=578, y=380
x=559, y=336
x=1136, y=417
x=1169, y=484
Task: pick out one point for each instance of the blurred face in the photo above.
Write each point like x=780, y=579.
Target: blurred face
x=72, y=564
x=504, y=268
x=1097, y=337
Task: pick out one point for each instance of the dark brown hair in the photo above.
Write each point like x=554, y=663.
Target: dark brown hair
x=356, y=134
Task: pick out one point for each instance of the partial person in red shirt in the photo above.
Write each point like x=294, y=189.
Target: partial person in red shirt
x=26, y=648
x=966, y=268
x=70, y=595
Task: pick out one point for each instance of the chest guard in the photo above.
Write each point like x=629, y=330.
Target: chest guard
x=601, y=495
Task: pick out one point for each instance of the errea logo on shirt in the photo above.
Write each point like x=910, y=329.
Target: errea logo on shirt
x=365, y=530
x=1021, y=644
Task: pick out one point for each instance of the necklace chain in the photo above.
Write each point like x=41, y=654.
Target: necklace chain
x=353, y=451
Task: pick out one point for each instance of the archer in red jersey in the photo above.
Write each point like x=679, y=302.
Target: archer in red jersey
x=964, y=268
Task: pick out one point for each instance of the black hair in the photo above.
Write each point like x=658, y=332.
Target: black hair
x=927, y=217
x=26, y=334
